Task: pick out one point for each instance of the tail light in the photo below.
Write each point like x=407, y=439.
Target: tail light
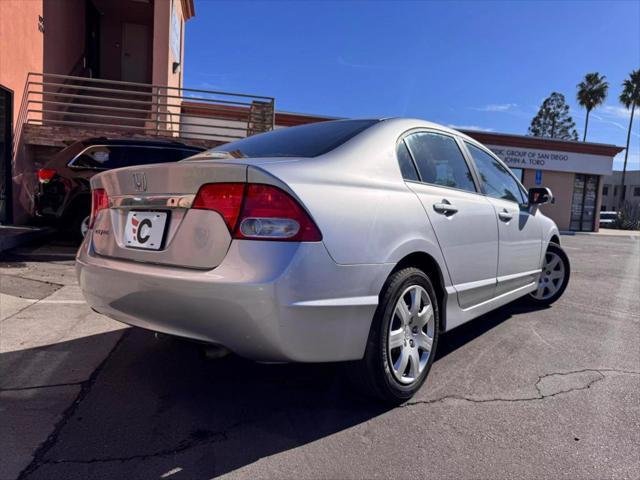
x=258, y=212
x=224, y=198
x=46, y=174
x=99, y=201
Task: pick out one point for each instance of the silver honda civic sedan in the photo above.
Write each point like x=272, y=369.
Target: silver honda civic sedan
x=354, y=240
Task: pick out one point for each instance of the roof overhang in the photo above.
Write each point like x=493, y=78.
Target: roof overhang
x=539, y=143
x=188, y=9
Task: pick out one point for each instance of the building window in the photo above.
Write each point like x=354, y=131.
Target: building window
x=615, y=191
x=605, y=190
x=636, y=191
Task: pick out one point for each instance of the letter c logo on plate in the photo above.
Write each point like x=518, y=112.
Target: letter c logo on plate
x=139, y=234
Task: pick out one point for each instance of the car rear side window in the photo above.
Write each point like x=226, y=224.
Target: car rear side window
x=301, y=141
x=440, y=161
x=405, y=161
x=495, y=179
x=106, y=157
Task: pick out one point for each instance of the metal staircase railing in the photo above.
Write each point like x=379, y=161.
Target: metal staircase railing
x=155, y=110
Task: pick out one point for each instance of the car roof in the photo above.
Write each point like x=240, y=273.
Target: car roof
x=408, y=122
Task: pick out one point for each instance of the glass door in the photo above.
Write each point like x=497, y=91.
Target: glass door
x=583, y=206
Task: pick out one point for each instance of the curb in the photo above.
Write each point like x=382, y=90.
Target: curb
x=601, y=233
x=12, y=237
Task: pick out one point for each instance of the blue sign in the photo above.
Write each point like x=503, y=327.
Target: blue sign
x=538, y=177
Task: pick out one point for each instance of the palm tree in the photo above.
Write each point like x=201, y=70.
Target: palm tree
x=630, y=97
x=592, y=92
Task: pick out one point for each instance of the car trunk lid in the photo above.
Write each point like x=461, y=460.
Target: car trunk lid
x=150, y=218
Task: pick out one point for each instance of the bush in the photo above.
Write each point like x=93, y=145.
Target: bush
x=629, y=217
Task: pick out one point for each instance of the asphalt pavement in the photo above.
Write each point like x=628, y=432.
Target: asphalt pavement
x=517, y=393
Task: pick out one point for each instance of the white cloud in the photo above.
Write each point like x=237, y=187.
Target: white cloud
x=633, y=162
x=615, y=111
x=621, y=126
x=470, y=127
x=497, y=107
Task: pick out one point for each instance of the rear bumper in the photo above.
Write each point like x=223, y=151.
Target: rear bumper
x=268, y=301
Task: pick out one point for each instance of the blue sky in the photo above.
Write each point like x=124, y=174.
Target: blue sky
x=471, y=64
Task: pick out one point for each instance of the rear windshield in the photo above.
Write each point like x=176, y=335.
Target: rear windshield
x=302, y=141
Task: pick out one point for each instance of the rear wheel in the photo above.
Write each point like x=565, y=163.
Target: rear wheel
x=403, y=338
x=79, y=224
x=554, y=277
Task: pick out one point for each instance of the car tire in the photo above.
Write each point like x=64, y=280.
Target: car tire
x=380, y=373
x=556, y=271
x=79, y=223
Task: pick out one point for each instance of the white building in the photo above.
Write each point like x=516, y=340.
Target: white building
x=611, y=189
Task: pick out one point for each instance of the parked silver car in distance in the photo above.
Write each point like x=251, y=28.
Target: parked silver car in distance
x=608, y=219
x=355, y=240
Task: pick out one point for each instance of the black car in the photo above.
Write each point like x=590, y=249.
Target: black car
x=63, y=194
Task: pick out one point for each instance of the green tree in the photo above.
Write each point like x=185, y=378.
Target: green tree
x=553, y=120
x=630, y=98
x=592, y=92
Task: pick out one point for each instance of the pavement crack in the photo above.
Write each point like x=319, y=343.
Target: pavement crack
x=45, y=282
x=33, y=301
x=194, y=440
x=85, y=387
x=540, y=393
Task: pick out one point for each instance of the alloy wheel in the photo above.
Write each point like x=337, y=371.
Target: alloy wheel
x=84, y=226
x=410, y=338
x=552, y=277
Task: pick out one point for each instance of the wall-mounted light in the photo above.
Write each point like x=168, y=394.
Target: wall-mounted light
x=176, y=67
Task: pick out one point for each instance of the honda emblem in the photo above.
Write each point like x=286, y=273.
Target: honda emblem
x=140, y=182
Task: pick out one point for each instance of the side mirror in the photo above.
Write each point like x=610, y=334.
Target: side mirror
x=540, y=195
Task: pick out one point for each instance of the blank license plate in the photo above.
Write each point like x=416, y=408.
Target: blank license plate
x=145, y=230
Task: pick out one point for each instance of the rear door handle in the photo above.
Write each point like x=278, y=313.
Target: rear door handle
x=504, y=215
x=445, y=208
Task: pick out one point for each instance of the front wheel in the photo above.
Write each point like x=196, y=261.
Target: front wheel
x=403, y=338
x=554, y=277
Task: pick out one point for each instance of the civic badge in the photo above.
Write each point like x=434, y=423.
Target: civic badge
x=140, y=182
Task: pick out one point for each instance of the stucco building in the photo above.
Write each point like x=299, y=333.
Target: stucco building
x=129, y=40
x=611, y=190
x=72, y=69
x=574, y=171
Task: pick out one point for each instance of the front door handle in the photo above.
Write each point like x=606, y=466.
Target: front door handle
x=505, y=215
x=445, y=208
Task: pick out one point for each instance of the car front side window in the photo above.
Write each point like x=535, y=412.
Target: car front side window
x=495, y=179
x=440, y=161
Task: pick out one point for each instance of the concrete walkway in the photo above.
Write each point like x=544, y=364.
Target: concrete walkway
x=613, y=232
x=50, y=345
x=605, y=232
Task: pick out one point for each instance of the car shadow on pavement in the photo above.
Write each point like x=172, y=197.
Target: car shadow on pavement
x=458, y=337
x=160, y=407
x=157, y=405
